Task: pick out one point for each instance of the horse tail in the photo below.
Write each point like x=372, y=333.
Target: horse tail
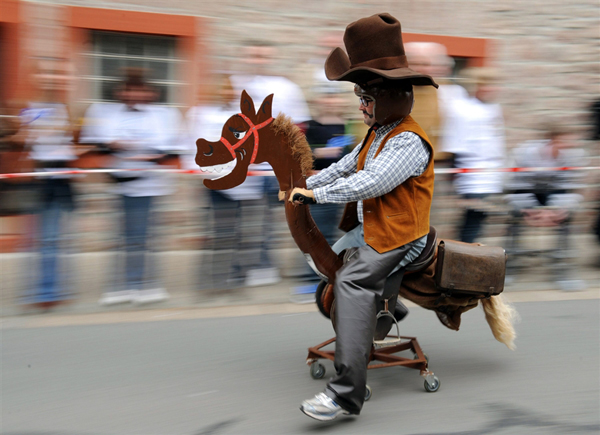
x=501, y=316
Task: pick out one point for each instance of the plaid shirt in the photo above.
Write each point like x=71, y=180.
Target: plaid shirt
x=402, y=157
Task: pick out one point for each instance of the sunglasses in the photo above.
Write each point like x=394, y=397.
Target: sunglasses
x=365, y=101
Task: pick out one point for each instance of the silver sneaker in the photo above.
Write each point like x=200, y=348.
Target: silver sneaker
x=322, y=407
x=117, y=297
x=150, y=296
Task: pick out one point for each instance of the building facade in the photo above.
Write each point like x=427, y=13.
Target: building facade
x=547, y=52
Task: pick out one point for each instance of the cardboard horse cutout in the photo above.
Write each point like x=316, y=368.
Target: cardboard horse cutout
x=255, y=137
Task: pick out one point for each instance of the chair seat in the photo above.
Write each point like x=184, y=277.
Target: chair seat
x=426, y=256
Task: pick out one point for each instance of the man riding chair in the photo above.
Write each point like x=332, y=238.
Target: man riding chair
x=387, y=184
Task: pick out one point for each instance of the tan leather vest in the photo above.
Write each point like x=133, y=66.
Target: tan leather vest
x=402, y=215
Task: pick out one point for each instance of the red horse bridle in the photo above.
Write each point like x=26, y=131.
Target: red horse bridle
x=253, y=130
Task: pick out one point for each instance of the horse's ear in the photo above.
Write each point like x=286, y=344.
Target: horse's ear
x=247, y=105
x=265, y=110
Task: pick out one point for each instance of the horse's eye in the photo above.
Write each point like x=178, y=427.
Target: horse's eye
x=239, y=134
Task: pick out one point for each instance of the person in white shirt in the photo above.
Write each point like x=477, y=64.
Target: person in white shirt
x=134, y=131
x=49, y=136
x=233, y=254
x=259, y=81
x=476, y=139
x=432, y=107
x=547, y=198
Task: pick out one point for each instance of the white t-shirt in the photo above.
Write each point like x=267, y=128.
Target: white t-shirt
x=49, y=135
x=287, y=99
x=475, y=135
x=145, y=132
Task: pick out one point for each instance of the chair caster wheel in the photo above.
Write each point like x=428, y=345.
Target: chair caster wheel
x=368, y=393
x=432, y=385
x=317, y=370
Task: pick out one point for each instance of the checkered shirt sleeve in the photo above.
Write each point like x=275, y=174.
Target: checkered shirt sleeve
x=403, y=156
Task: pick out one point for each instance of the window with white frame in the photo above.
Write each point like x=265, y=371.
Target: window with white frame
x=112, y=52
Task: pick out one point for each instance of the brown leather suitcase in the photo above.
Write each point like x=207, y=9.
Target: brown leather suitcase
x=465, y=268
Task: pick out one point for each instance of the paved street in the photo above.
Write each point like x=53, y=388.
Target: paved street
x=145, y=374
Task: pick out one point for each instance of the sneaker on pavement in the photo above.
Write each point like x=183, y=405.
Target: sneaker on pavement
x=322, y=407
x=116, y=297
x=262, y=277
x=150, y=296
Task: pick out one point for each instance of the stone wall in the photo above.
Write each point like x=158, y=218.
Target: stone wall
x=548, y=54
x=547, y=51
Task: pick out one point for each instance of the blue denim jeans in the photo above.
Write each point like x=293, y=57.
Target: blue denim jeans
x=226, y=266
x=137, y=218
x=56, y=203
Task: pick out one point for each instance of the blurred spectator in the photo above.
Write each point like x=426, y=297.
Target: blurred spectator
x=132, y=132
x=231, y=245
x=595, y=120
x=432, y=110
x=475, y=138
x=330, y=141
x=595, y=136
x=310, y=76
x=259, y=80
x=48, y=132
x=547, y=198
x=432, y=106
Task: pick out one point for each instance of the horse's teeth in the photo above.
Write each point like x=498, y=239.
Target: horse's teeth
x=219, y=168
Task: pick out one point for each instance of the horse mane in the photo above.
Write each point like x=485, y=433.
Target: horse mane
x=295, y=141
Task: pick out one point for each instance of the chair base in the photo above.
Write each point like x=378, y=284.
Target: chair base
x=381, y=358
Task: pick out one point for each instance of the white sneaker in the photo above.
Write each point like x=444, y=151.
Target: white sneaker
x=260, y=277
x=116, y=297
x=322, y=407
x=150, y=296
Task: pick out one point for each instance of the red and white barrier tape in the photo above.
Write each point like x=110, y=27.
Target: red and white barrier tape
x=272, y=174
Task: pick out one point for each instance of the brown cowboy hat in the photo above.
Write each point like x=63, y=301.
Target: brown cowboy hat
x=375, y=49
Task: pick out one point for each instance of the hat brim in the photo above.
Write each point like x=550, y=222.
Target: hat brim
x=338, y=68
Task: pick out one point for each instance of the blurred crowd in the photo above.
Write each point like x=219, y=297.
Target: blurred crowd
x=134, y=135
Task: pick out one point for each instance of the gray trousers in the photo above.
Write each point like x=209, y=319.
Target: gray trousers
x=360, y=288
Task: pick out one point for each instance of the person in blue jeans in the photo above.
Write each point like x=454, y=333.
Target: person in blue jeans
x=57, y=204
x=135, y=133
x=48, y=133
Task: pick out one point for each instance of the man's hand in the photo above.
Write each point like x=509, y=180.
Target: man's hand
x=305, y=192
